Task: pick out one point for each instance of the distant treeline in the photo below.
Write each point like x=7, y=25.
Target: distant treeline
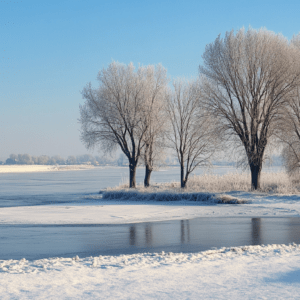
x=26, y=159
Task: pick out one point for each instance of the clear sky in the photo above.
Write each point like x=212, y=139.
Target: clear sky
x=50, y=49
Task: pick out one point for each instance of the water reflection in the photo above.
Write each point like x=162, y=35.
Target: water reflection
x=294, y=233
x=185, y=231
x=41, y=241
x=256, y=231
x=132, y=235
x=148, y=234
x=205, y=233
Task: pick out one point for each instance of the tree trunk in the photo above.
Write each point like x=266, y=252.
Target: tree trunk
x=147, y=176
x=182, y=179
x=132, y=172
x=255, y=176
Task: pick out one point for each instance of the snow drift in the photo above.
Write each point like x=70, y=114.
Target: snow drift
x=144, y=259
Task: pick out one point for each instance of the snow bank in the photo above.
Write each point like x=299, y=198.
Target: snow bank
x=95, y=210
x=142, y=259
x=252, y=272
x=166, y=197
x=40, y=168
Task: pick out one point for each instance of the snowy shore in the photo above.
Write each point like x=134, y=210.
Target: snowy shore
x=100, y=211
x=40, y=168
x=252, y=272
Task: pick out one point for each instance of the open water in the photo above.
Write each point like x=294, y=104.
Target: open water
x=43, y=241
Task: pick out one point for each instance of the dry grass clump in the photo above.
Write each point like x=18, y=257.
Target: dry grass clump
x=275, y=183
x=226, y=199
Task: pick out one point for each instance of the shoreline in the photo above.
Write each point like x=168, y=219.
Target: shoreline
x=4, y=169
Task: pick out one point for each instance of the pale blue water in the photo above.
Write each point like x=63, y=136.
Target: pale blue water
x=43, y=241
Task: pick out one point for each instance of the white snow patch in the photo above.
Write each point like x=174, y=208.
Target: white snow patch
x=121, y=212
x=249, y=272
x=41, y=168
x=142, y=259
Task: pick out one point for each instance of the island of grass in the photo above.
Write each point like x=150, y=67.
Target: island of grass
x=230, y=188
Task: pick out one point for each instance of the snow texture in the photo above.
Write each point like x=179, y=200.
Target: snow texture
x=249, y=272
x=40, y=168
x=99, y=211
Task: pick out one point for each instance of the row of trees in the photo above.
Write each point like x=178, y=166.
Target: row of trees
x=247, y=95
x=26, y=159
x=121, y=160
x=135, y=110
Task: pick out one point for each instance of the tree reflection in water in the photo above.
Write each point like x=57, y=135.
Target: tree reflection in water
x=185, y=231
x=256, y=231
x=132, y=235
x=148, y=234
x=204, y=233
x=199, y=234
x=133, y=240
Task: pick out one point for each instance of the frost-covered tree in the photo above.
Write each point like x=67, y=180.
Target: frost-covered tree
x=71, y=160
x=289, y=129
x=56, y=160
x=154, y=146
x=116, y=114
x=249, y=77
x=43, y=160
x=25, y=159
x=12, y=160
x=86, y=159
x=157, y=122
x=192, y=134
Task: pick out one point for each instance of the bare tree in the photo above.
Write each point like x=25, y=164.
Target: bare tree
x=153, y=152
x=192, y=132
x=289, y=129
x=154, y=144
x=115, y=114
x=249, y=77
x=289, y=134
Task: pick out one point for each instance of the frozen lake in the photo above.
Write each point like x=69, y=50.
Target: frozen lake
x=43, y=241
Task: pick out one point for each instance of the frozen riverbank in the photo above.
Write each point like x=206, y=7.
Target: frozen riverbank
x=99, y=211
x=41, y=168
x=255, y=272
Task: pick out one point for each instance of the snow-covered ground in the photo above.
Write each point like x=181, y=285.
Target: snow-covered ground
x=120, y=212
x=40, y=168
x=250, y=272
x=253, y=272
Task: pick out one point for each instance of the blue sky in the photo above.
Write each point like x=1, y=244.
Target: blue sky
x=49, y=50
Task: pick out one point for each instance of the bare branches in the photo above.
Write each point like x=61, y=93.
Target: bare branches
x=249, y=75
x=192, y=134
x=289, y=134
x=118, y=113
